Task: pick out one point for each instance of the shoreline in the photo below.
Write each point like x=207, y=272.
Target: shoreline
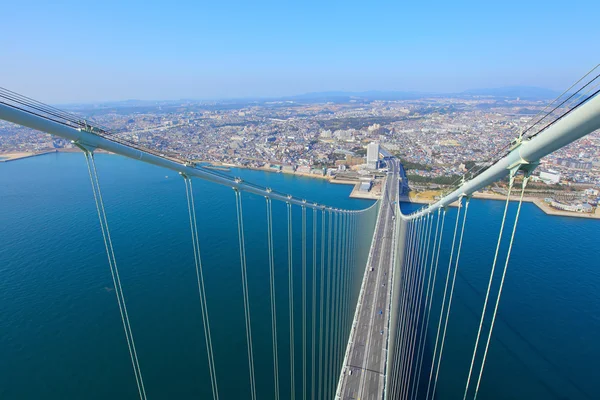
x=14, y=156
x=541, y=204
x=21, y=155
x=527, y=199
x=354, y=194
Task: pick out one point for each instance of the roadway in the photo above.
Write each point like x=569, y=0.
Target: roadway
x=364, y=365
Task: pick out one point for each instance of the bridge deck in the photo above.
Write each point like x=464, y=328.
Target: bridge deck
x=364, y=366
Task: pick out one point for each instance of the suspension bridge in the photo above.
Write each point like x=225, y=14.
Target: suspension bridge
x=362, y=339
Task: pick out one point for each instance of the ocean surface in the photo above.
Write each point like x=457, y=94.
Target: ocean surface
x=61, y=336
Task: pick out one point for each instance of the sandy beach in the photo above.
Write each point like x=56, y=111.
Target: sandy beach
x=6, y=157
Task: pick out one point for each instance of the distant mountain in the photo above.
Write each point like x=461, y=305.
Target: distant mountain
x=523, y=92
x=511, y=92
x=503, y=93
x=339, y=96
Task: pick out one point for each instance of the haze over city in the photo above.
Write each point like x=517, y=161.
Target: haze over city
x=78, y=52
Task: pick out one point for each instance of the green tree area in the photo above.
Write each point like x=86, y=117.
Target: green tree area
x=414, y=165
x=440, y=180
x=360, y=151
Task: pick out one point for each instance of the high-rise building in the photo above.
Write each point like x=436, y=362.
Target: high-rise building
x=373, y=155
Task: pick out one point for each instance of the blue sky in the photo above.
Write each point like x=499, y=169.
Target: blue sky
x=114, y=50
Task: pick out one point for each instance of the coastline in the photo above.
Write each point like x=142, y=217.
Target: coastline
x=355, y=193
x=14, y=156
x=498, y=197
x=541, y=204
x=418, y=198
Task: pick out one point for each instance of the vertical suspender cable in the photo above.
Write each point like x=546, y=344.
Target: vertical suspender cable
x=304, y=388
x=201, y=288
x=352, y=268
x=346, y=285
x=424, y=256
x=451, y=294
x=437, y=336
x=487, y=293
x=411, y=312
x=114, y=271
x=240, y=224
x=420, y=343
x=341, y=290
x=341, y=303
x=291, y=302
x=417, y=324
x=408, y=310
x=339, y=300
x=328, y=308
x=512, y=237
x=346, y=288
x=355, y=253
x=335, y=283
x=437, y=259
x=313, y=342
x=408, y=272
x=402, y=316
x=321, y=303
x=391, y=369
x=412, y=293
x=272, y=294
x=400, y=323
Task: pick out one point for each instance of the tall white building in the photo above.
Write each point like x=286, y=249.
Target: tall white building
x=373, y=155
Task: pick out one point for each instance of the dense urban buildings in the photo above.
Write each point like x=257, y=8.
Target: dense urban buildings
x=439, y=139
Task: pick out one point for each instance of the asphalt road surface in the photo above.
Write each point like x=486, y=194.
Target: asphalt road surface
x=363, y=370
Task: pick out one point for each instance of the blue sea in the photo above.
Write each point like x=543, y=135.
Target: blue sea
x=61, y=335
